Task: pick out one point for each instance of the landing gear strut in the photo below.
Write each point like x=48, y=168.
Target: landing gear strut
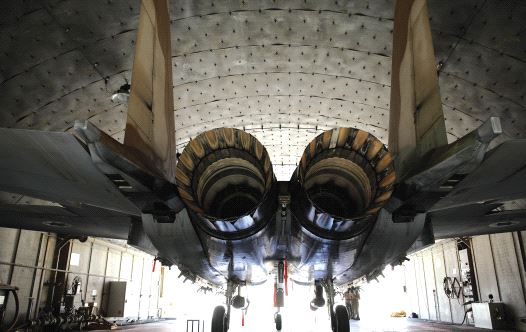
x=338, y=314
x=279, y=294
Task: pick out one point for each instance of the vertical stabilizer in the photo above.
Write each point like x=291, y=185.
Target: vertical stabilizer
x=150, y=128
x=416, y=123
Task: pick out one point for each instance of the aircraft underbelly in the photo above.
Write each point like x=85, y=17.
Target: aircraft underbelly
x=310, y=257
x=387, y=243
x=313, y=257
x=179, y=244
x=242, y=259
x=214, y=259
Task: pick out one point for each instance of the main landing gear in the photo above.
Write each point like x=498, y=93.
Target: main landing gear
x=338, y=314
x=220, y=319
x=221, y=315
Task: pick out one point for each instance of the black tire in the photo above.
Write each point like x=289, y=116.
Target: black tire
x=342, y=319
x=278, y=322
x=219, y=320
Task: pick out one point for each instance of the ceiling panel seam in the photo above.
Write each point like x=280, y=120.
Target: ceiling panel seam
x=383, y=85
x=474, y=42
x=64, y=95
x=289, y=10
x=282, y=95
x=80, y=49
x=465, y=30
x=477, y=85
x=296, y=45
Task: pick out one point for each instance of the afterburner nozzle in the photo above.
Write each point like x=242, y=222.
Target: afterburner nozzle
x=344, y=175
x=225, y=176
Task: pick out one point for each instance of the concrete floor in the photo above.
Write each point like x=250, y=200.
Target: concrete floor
x=389, y=324
x=407, y=324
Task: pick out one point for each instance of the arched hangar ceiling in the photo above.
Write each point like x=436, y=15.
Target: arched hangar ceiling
x=281, y=70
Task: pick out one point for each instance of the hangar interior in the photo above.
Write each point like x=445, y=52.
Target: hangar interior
x=282, y=71
x=487, y=267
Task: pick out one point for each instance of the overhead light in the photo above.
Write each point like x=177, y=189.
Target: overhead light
x=121, y=96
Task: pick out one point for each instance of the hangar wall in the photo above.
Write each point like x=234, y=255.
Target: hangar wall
x=498, y=268
x=26, y=261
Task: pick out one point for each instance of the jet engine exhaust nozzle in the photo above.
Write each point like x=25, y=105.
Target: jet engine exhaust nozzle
x=225, y=177
x=345, y=175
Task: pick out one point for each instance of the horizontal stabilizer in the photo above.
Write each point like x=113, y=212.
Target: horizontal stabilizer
x=55, y=167
x=501, y=177
x=480, y=203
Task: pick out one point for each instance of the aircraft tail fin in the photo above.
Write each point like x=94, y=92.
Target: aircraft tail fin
x=150, y=124
x=416, y=123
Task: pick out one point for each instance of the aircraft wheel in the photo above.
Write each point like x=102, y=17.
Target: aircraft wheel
x=219, y=320
x=342, y=319
x=278, y=321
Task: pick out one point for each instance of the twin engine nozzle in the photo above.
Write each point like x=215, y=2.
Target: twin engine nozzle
x=225, y=178
x=343, y=179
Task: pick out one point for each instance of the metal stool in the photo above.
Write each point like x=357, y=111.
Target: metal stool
x=192, y=324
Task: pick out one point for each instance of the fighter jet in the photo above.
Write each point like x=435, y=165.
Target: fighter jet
x=352, y=207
